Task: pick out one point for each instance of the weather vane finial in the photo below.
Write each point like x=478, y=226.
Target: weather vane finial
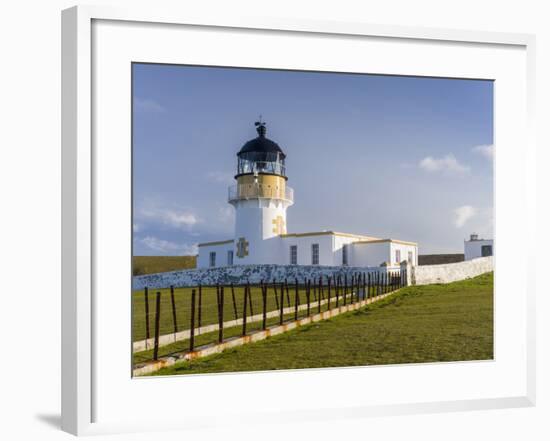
x=260, y=126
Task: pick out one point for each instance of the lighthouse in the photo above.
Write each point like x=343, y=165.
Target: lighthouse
x=260, y=197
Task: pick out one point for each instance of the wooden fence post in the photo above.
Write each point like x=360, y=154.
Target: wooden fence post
x=220, y=317
x=368, y=285
x=147, y=328
x=245, y=308
x=314, y=290
x=174, y=315
x=200, y=306
x=308, y=296
x=276, y=296
x=320, y=294
x=192, y=329
x=328, y=293
x=296, y=300
x=157, y=328
x=250, y=300
x=282, y=304
x=264, y=306
x=345, y=288
x=234, y=302
x=287, y=293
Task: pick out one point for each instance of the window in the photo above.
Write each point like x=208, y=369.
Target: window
x=345, y=253
x=486, y=250
x=315, y=254
x=294, y=254
x=410, y=257
x=212, y=258
x=398, y=256
x=230, y=257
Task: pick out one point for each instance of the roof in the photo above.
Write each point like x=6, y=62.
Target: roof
x=261, y=144
x=332, y=233
x=362, y=239
x=219, y=242
x=402, y=242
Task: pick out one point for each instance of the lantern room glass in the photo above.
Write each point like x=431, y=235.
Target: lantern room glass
x=261, y=162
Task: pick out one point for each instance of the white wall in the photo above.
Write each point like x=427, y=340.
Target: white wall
x=304, y=249
x=203, y=261
x=472, y=248
x=451, y=272
x=254, y=221
x=404, y=248
x=370, y=254
x=338, y=243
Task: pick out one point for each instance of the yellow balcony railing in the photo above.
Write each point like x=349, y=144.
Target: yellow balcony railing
x=248, y=191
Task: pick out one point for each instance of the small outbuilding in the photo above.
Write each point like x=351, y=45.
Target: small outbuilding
x=476, y=247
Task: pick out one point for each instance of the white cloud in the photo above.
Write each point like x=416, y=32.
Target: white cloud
x=447, y=163
x=147, y=105
x=486, y=150
x=220, y=177
x=168, y=247
x=177, y=218
x=463, y=214
x=136, y=228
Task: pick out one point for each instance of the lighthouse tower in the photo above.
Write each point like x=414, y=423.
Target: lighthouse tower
x=260, y=198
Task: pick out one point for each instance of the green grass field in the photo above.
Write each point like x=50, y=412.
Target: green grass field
x=159, y=264
x=432, y=323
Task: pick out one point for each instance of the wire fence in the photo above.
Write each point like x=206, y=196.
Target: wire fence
x=176, y=320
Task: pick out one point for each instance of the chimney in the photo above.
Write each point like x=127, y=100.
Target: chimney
x=473, y=237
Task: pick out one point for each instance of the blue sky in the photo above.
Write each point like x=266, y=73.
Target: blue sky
x=402, y=157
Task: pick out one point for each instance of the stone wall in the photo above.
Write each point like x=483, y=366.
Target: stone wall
x=243, y=273
x=419, y=275
x=451, y=272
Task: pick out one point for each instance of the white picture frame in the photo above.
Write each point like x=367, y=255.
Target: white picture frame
x=85, y=349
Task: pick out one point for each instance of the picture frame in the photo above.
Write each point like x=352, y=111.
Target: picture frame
x=88, y=346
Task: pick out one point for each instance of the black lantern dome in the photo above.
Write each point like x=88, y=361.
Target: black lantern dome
x=261, y=155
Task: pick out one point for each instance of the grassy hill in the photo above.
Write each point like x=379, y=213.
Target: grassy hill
x=159, y=264
x=431, y=323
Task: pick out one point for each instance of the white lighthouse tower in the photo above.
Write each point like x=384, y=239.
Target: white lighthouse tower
x=260, y=198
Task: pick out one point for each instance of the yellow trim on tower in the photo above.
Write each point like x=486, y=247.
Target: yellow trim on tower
x=279, y=226
x=263, y=186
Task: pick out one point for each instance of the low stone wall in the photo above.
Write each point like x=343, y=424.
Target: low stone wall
x=450, y=272
x=244, y=273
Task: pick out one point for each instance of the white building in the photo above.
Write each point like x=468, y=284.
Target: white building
x=476, y=247
x=261, y=198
